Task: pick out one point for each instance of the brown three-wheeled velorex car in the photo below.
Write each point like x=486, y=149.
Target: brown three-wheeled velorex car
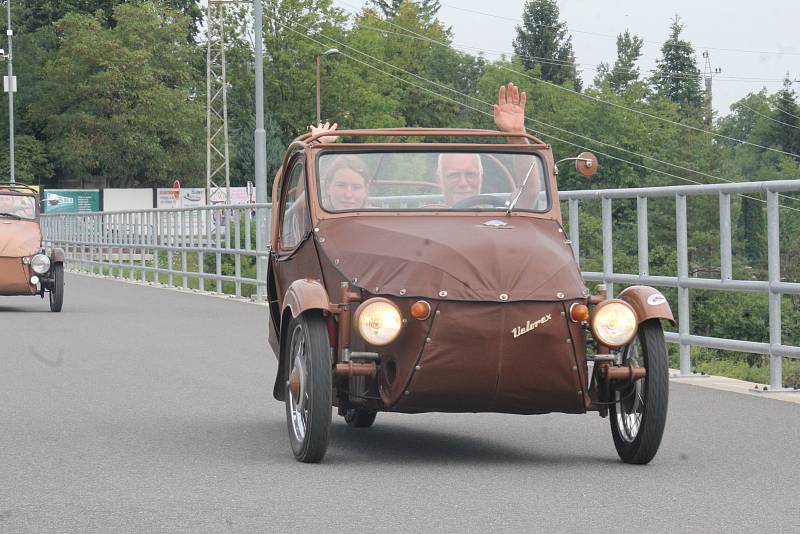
x=427, y=270
x=26, y=268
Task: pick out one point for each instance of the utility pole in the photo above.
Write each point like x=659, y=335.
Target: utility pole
x=11, y=87
x=217, y=152
x=709, y=75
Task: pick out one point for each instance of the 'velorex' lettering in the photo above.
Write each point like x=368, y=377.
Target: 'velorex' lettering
x=519, y=330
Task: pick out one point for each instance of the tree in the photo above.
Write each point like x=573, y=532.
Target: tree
x=625, y=71
x=676, y=75
x=117, y=103
x=34, y=14
x=785, y=131
x=542, y=41
x=390, y=8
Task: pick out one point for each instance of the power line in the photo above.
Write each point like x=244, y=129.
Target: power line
x=596, y=34
x=786, y=112
x=768, y=117
x=463, y=104
x=619, y=106
x=550, y=61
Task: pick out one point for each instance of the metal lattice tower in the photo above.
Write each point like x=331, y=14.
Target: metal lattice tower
x=218, y=177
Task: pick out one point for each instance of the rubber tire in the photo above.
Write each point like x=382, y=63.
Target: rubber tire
x=359, y=418
x=57, y=288
x=320, y=382
x=656, y=397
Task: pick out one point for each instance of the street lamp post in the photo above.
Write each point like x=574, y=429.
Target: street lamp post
x=260, y=152
x=329, y=52
x=10, y=87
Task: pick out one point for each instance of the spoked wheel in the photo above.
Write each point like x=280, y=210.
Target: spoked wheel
x=308, y=388
x=359, y=418
x=639, y=412
x=57, y=288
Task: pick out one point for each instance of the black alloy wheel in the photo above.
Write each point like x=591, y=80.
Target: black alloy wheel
x=308, y=387
x=639, y=412
x=359, y=417
x=57, y=287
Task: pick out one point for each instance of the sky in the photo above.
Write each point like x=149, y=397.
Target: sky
x=754, y=44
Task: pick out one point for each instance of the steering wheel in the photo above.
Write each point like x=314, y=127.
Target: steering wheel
x=477, y=200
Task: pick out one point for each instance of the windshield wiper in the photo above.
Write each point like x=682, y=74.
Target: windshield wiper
x=6, y=214
x=521, y=188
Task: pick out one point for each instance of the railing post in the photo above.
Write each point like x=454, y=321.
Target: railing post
x=684, y=317
x=608, y=245
x=726, y=263
x=574, y=229
x=642, y=236
x=774, y=268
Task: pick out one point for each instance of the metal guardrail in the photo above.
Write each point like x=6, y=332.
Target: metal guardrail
x=683, y=282
x=160, y=243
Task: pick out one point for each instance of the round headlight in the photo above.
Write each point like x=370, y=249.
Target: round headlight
x=378, y=321
x=40, y=264
x=614, y=323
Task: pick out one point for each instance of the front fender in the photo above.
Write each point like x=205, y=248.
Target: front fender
x=306, y=294
x=648, y=303
x=57, y=255
x=302, y=296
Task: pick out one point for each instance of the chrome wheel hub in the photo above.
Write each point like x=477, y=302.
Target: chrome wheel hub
x=297, y=384
x=630, y=401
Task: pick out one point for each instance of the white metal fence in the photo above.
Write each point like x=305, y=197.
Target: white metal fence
x=773, y=286
x=211, y=247
x=205, y=248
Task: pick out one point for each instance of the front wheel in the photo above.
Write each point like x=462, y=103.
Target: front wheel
x=57, y=288
x=639, y=412
x=308, y=387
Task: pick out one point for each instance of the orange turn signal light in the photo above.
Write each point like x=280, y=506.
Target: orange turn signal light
x=420, y=310
x=579, y=312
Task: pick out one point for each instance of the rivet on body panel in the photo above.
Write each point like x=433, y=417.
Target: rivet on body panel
x=569, y=340
x=321, y=239
x=563, y=314
x=402, y=291
x=503, y=297
x=443, y=293
x=560, y=231
x=336, y=261
x=560, y=295
x=316, y=229
x=427, y=340
x=580, y=392
x=438, y=312
x=574, y=367
x=418, y=368
x=407, y=392
x=355, y=279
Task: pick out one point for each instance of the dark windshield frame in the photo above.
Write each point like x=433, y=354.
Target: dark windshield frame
x=493, y=149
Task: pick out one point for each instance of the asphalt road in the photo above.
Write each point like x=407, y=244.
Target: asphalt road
x=147, y=410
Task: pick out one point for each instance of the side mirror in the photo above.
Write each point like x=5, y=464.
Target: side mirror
x=586, y=164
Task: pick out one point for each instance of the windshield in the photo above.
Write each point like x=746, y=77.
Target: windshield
x=20, y=206
x=432, y=181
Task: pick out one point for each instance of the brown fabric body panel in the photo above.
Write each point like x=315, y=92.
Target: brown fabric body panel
x=301, y=263
x=637, y=297
x=19, y=238
x=425, y=255
x=15, y=278
x=474, y=363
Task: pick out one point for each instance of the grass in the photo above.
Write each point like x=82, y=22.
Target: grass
x=742, y=366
